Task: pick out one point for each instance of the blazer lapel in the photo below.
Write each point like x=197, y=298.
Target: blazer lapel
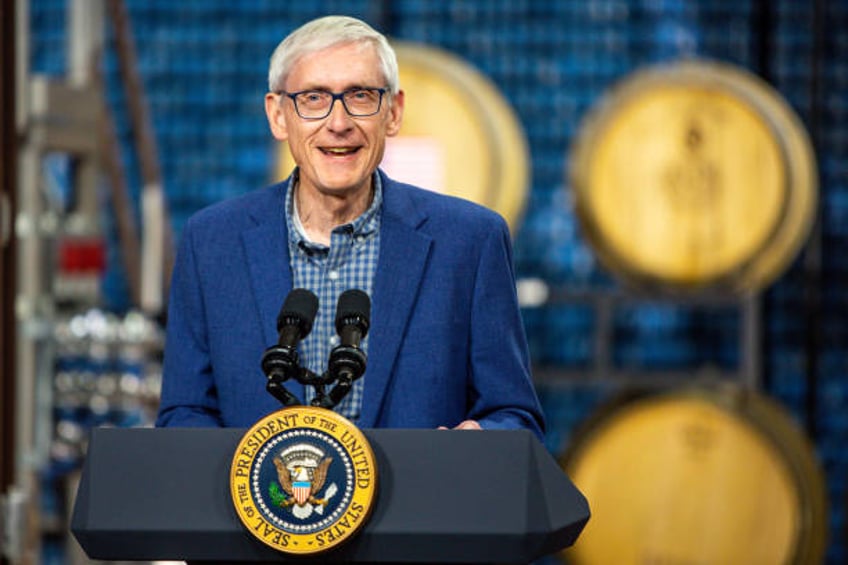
x=270, y=274
x=267, y=251
x=403, y=257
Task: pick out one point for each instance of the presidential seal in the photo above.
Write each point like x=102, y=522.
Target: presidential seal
x=303, y=480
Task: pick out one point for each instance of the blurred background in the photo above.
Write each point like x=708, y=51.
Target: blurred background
x=122, y=118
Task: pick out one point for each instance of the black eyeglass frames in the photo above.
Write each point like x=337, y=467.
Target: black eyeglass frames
x=317, y=104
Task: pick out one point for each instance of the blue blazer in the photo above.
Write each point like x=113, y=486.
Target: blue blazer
x=446, y=339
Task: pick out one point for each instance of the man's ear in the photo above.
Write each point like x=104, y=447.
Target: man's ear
x=276, y=116
x=395, y=115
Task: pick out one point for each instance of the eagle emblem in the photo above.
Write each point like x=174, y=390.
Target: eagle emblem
x=303, y=480
x=302, y=472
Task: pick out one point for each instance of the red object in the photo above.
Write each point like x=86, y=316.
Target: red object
x=82, y=255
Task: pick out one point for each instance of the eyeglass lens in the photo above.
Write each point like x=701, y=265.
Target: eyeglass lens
x=317, y=103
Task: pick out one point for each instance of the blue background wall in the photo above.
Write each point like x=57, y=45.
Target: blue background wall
x=204, y=63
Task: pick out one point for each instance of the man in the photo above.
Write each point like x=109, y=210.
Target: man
x=446, y=346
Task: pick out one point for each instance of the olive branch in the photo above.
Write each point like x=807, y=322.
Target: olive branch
x=278, y=497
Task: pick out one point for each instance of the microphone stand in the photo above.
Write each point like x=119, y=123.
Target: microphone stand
x=279, y=365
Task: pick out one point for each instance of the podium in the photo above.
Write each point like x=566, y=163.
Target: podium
x=444, y=496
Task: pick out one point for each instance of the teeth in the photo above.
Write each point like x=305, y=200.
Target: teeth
x=338, y=150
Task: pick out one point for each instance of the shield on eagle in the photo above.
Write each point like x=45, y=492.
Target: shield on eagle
x=301, y=491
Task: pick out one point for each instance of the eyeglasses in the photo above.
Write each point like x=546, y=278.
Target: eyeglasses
x=317, y=104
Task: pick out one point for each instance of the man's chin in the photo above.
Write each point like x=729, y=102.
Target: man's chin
x=343, y=187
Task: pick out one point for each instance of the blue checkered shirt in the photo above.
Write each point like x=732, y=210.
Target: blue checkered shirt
x=349, y=262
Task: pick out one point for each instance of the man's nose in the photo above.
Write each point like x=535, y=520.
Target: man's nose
x=339, y=119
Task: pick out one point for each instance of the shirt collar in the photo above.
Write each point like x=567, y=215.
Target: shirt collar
x=361, y=227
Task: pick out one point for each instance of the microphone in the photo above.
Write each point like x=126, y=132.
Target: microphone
x=347, y=360
x=352, y=317
x=296, y=316
x=280, y=362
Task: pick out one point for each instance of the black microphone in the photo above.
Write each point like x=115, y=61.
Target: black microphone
x=280, y=362
x=352, y=317
x=296, y=316
x=347, y=360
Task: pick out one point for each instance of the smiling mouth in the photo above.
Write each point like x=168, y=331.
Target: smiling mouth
x=339, y=151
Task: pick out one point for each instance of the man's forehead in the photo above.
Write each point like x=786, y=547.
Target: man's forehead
x=337, y=67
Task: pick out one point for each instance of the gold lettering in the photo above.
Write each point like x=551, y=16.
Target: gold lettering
x=351, y=444
x=269, y=529
x=287, y=421
x=260, y=435
x=363, y=477
x=327, y=425
x=242, y=467
x=242, y=493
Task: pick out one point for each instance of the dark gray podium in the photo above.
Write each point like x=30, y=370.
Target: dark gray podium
x=443, y=497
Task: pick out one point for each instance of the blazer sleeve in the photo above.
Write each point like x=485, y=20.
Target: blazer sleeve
x=502, y=395
x=189, y=396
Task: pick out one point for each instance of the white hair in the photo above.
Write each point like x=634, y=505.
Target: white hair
x=327, y=32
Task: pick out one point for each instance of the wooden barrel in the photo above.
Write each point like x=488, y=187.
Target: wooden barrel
x=706, y=475
x=459, y=134
x=694, y=176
